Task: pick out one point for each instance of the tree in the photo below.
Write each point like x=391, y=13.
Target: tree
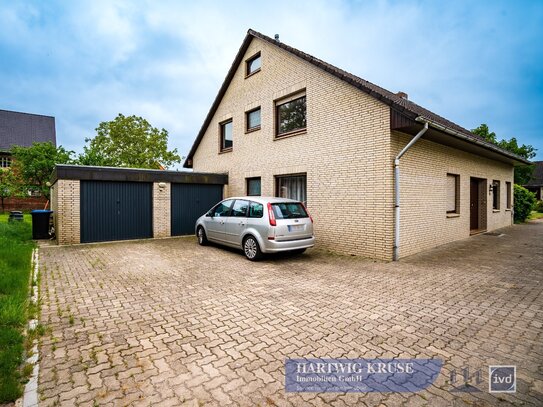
x=36, y=163
x=524, y=203
x=523, y=173
x=129, y=142
x=9, y=185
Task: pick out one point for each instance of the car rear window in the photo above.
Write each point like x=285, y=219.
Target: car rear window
x=289, y=210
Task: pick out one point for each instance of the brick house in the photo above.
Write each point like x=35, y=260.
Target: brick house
x=536, y=183
x=23, y=129
x=285, y=123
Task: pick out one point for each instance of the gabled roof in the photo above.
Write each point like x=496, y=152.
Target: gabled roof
x=405, y=107
x=537, y=176
x=23, y=129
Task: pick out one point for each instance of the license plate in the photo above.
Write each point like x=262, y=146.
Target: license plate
x=295, y=228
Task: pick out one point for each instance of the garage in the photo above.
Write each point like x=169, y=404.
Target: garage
x=101, y=204
x=116, y=211
x=189, y=202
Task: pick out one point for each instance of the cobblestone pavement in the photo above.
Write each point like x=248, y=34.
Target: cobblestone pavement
x=166, y=322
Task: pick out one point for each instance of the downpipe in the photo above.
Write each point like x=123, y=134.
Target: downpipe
x=396, y=250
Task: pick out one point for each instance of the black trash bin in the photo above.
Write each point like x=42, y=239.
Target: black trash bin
x=40, y=223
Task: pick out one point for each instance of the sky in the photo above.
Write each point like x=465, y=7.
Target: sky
x=84, y=62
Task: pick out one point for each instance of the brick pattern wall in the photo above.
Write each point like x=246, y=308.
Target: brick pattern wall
x=161, y=210
x=24, y=204
x=345, y=151
x=424, y=168
x=65, y=202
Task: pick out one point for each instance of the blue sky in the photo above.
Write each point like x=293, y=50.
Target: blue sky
x=86, y=61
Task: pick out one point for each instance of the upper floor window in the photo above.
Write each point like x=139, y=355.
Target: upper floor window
x=290, y=116
x=253, y=64
x=252, y=119
x=5, y=162
x=496, y=195
x=226, y=135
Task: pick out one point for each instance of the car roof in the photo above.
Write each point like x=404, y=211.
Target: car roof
x=263, y=199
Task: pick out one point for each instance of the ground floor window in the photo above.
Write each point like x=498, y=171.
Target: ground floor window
x=292, y=187
x=5, y=161
x=496, y=195
x=453, y=193
x=508, y=188
x=254, y=186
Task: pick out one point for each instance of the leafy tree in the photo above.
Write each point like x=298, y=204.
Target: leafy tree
x=524, y=203
x=10, y=185
x=36, y=163
x=129, y=142
x=523, y=173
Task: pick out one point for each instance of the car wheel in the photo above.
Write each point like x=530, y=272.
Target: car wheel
x=251, y=248
x=298, y=251
x=202, y=238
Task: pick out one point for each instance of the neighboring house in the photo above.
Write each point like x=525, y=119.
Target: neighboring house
x=536, y=183
x=287, y=124
x=23, y=129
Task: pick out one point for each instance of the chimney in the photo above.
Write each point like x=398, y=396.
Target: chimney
x=403, y=95
x=277, y=37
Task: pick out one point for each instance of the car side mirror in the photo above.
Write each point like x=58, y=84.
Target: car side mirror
x=209, y=214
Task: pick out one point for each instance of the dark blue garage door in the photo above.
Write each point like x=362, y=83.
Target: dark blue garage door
x=189, y=202
x=116, y=211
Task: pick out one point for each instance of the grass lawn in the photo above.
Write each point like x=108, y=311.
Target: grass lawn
x=15, y=264
x=536, y=215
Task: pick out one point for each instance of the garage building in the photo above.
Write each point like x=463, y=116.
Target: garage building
x=98, y=204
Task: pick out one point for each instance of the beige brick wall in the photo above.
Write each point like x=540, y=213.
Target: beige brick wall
x=345, y=152
x=65, y=201
x=424, y=168
x=161, y=209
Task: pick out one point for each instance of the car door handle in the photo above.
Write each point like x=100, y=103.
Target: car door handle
x=242, y=223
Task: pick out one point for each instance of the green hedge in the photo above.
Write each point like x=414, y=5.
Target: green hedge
x=524, y=203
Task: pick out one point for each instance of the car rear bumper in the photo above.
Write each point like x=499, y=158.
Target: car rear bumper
x=273, y=246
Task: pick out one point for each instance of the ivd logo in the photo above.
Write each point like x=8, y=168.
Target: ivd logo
x=502, y=379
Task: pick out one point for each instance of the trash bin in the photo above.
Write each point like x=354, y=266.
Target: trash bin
x=40, y=223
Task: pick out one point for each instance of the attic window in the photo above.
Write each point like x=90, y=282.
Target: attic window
x=253, y=65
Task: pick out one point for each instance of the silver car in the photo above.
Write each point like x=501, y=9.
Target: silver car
x=258, y=225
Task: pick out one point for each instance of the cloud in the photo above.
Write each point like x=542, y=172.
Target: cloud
x=84, y=62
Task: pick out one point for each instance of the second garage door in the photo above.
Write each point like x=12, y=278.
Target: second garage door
x=116, y=211
x=189, y=202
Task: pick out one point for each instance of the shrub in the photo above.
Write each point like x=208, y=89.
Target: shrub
x=539, y=206
x=524, y=203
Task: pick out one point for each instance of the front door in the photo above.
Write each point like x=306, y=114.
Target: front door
x=474, y=204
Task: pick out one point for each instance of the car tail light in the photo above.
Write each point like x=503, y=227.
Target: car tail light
x=271, y=215
x=308, y=214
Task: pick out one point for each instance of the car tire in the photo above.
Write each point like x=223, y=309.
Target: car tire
x=201, y=235
x=298, y=251
x=251, y=249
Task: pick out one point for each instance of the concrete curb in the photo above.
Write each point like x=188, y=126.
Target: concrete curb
x=30, y=395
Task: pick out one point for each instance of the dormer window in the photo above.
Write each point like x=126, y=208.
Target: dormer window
x=253, y=65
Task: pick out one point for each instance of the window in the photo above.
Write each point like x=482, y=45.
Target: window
x=256, y=210
x=292, y=186
x=226, y=136
x=252, y=120
x=496, y=195
x=291, y=116
x=289, y=211
x=453, y=193
x=222, y=209
x=5, y=162
x=253, y=186
x=253, y=65
x=508, y=190
x=240, y=208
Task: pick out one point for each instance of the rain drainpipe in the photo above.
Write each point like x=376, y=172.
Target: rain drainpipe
x=397, y=189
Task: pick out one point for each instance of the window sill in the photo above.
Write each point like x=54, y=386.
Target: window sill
x=508, y=210
x=226, y=150
x=252, y=73
x=290, y=134
x=496, y=210
x=252, y=130
x=453, y=215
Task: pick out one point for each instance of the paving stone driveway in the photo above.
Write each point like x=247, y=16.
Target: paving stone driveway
x=166, y=322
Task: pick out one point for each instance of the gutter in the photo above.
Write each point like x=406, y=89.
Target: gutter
x=397, y=188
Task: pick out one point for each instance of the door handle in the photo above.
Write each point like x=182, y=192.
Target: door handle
x=242, y=223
